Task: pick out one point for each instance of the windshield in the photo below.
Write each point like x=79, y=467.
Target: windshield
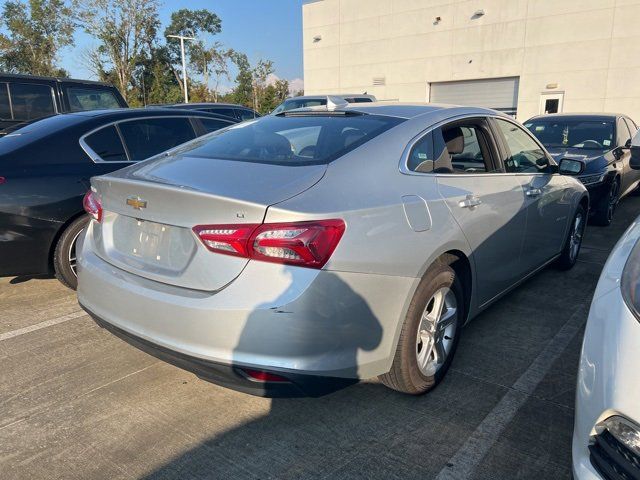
x=295, y=140
x=583, y=134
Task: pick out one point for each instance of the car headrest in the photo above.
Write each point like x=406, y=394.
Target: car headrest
x=454, y=139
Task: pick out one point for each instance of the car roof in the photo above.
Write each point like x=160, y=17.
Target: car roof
x=578, y=116
x=209, y=104
x=117, y=113
x=399, y=109
x=19, y=76
x=320, y=97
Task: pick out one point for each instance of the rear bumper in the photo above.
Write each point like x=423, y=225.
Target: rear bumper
x=231, y=376
x=292, y=321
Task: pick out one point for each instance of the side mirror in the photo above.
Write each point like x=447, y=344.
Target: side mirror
x=569, y=166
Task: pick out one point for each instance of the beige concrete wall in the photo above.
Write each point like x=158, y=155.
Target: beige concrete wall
x=589, y=48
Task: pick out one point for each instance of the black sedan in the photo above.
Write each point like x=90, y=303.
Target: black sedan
x=45, y=168
x=232, y=110
x=602, y=142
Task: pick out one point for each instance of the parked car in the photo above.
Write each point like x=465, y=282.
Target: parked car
x=319, y=100
x=282, y=267
x=45, y=169
x=25, y=98
x=602, y=141
x=606, y=437
x=239, y=113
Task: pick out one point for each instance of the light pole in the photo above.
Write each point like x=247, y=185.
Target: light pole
x=184, y=63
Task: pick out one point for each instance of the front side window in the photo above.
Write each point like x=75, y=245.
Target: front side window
x=525, y=155
x=624, y=135
x=107, y=145
x=30, y=101
x=582, y=134
x=292, y=140
x=150, y=136
x=82, y=99
x=227, y=112
x=246, y=114
x=5, y=107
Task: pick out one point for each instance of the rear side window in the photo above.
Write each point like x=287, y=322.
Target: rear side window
x=31, y=101
x=292, y=140
x=421, y=156
x=5, y=107
x=362, y=100
x=107, y=145
x=82, y=99
x=212, y=124
x=150, y=136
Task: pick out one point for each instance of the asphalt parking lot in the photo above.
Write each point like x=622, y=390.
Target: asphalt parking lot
x=78, y=403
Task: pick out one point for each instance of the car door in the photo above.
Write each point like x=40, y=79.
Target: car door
x=487, y=203
x=547, y=195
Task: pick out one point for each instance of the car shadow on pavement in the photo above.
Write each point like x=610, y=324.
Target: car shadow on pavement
x=26, y=278
x=294, y=440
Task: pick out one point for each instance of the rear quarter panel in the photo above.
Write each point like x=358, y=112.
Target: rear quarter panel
x=45, y=183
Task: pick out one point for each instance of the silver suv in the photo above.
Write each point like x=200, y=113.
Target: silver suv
x=298, y=253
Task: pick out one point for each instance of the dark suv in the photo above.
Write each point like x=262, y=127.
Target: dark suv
x=26, y=97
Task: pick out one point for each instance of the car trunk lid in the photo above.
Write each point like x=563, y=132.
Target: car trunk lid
x=151, y=208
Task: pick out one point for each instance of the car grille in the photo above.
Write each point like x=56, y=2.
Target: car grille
x=612, y=459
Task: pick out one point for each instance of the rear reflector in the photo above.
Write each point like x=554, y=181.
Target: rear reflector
x=92, y=205
x=307, y=244
x=261, y=376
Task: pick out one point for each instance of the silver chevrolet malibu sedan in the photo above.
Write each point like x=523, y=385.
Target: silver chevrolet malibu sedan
x=298, y=253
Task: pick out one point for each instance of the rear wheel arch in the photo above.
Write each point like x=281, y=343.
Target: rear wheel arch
x=56, y=238
x=462, y=266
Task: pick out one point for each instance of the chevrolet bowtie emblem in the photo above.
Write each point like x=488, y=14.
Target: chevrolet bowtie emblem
x=136, y=202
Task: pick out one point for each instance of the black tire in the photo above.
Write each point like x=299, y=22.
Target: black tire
x=607, y=205
x=65, y=251
x=569, y=255
x=405, y=375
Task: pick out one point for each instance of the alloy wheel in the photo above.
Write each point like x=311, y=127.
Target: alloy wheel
x=575, y=239
x=612, y=201
x=71, y=256
x=436, y=331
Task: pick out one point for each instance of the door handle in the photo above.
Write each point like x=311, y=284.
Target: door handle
x=533, y=192
x=469, y=202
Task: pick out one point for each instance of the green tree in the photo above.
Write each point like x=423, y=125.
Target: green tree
x=243, y=91
x=125, y=30
x=193, y=23
x=36, y=31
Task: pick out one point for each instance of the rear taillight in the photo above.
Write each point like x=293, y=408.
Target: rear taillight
x=92, y=205
x=307, y=244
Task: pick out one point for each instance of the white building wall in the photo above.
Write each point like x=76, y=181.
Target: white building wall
x=590, y=49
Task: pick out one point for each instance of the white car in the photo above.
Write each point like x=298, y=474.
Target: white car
x=606, y=437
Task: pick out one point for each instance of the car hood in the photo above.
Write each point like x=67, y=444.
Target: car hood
x=595, y=161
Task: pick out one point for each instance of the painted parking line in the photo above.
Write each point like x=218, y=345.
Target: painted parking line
x=468, y=457
x=41, y=325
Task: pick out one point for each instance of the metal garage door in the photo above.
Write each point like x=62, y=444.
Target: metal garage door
x=497, y=93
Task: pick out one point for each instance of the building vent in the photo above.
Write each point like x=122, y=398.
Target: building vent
x=379, y=81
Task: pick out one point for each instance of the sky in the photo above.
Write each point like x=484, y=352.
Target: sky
x=269, y=29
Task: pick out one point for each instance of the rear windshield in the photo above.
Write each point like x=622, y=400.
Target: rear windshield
x=583, y=134
x=294, y=140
